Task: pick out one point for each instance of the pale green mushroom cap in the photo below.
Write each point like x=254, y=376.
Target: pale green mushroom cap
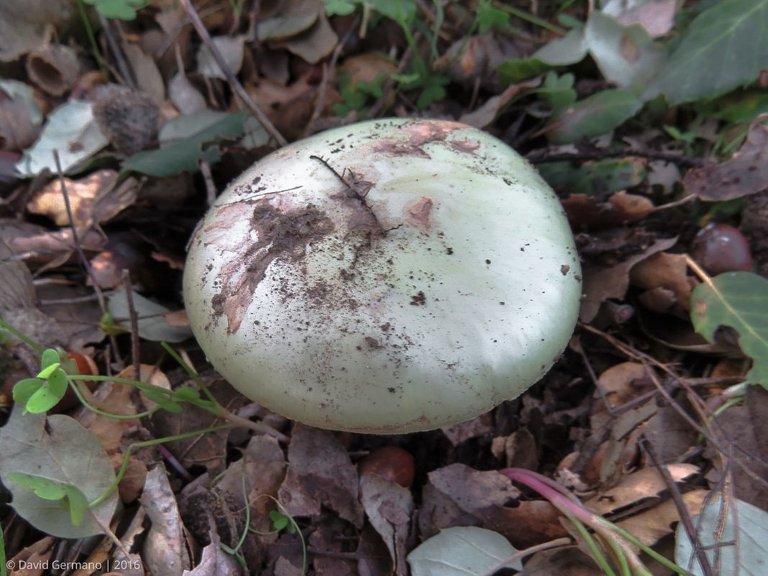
x=385, y=277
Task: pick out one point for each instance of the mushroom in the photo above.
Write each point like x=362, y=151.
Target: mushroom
x=385, y=277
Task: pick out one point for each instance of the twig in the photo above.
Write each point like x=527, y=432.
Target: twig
x=543, y=155
x=231, y=78
x=122, y=65
x=135, y=355
x=682, y=510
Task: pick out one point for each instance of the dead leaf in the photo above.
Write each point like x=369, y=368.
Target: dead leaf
x=20, y=117
x=320, y=474
x=475, y=59
x=652, y=525
x=486, y=114
x=94, y=199
x=587, y=212
x=665, y=271
x=388, y=507
x=600, y=284
x=210, y=449
x=24, y=24
x=637, y=487
x=744, y=174
x=165, y=550
x=314, y=44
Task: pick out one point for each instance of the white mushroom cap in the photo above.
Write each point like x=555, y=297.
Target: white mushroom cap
x=385, y=277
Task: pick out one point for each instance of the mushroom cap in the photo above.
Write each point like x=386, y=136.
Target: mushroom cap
x=385, y=277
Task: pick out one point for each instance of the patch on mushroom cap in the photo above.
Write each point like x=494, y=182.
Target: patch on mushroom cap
x=280, y=232
x=418, y=213
x=418, y=134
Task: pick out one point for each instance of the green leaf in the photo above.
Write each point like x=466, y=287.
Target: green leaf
x=185, y=155
x=593, y=116
x=518, y=69
x=401, y=11
x=186, y=394
x=24, y=389
x=595, y=178
x=57, y=447
x=724, y=48
x=49, y=394
x=339, y=7
x=72, y=498
x=118, y=9
x=279, y=520
x=489, y=17
x=49, y=357
x=738, y=300
x=737, y=536
x=463, y=551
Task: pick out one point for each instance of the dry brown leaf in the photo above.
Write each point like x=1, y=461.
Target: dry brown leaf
x=664, y=271
x=652, y=525
x=164, y=550
x=209, y=449
x=94, y=199
x=600, y=284
x=634, y=488
x=320, y=474
x=745, y=173
x=621, y=208
x=388, y=507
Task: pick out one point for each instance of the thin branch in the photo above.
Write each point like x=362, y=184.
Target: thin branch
x=682, y=510
x=237, y=87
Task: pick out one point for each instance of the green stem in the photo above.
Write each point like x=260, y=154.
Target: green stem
x=23, y=337
x=530, y=18
x=147, y=444
x=92, y=39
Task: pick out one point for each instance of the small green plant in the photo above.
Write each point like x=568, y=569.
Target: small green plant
x=420, y=76
x=58, y=372
x=356, y=96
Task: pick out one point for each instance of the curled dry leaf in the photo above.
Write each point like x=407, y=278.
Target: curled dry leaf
x=664, y=271
x=619, y=209
x=55, y=68
x=600, y=284
x=94, y=199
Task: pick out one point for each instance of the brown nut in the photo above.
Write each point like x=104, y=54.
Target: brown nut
x=390, y=462
x=721, y=248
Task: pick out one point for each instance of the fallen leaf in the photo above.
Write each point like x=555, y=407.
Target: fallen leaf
x=600, y=284
x=745, y=173
x=320, y=474
x=388, y=507
x=164, y=550
x=72, y=132
x=56, y=447
x=665, y=271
